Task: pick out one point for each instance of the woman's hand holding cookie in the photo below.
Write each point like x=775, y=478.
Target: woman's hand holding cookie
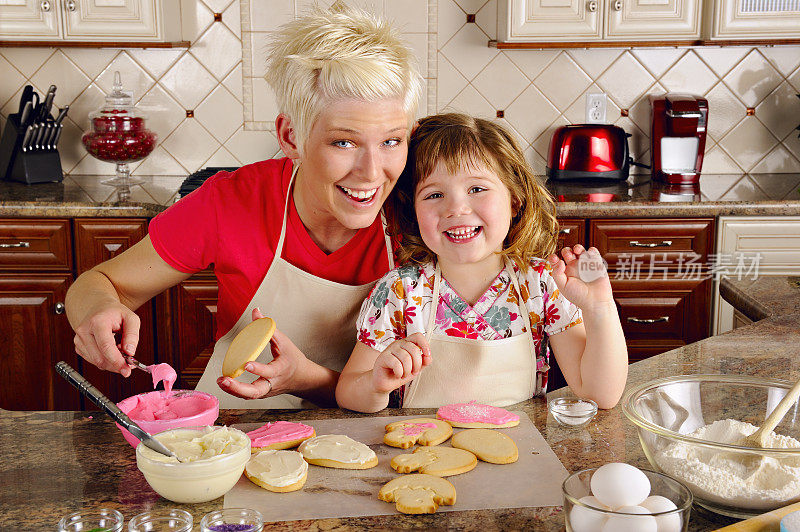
x=582, y=276
x=400, y=362
x=275, y=377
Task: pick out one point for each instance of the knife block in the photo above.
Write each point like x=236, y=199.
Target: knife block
x=41, y=166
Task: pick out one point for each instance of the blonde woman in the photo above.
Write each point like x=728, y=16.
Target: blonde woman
x=470, y=313
x=298, y=239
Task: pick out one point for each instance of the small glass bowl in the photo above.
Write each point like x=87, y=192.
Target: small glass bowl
x=232, y=520
x=580, y=517
x=173, y=520
x=102, y=519
x=571, y=411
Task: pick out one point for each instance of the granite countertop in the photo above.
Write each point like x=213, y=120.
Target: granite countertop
x=53, y=463
x=727, y=194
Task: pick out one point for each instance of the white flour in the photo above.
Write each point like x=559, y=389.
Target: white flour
x=721, y=478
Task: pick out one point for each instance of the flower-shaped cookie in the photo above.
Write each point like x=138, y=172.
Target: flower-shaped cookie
x=418, y=493
x=422, y=431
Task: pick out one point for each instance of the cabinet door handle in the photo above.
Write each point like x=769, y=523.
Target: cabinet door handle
x=59, y=308
x=566, y=231
x=591, y=5
x=649, y=320
x=17, y=245
x=662, y=244
x=617, y=5
x=44, y=5
x=71, y=5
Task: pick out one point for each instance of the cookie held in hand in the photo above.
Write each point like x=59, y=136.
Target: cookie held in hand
x=278, y=471
x=488, y=445
x=438, y=461
x=338, y=451
x=422, y=431
x=247, y=345
x=418, y=493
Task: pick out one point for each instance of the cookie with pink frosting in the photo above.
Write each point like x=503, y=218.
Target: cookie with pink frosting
x=474, y=415
x=279, y=435
x=422, y=431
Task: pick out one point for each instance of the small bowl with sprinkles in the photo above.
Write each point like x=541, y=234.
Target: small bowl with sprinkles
x=232, y=520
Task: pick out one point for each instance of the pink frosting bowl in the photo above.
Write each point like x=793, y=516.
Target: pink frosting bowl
x=156, y=412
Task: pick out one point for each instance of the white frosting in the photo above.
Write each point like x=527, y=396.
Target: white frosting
x=193, y=445
x=337, y=447
x=277, y=468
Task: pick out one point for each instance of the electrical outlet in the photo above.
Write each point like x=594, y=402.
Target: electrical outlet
x=595, y=108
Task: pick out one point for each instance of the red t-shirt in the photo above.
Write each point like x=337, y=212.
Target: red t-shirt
x=234, y=221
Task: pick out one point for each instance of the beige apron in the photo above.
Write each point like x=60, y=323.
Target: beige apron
x=318, y=315
x=494, y=372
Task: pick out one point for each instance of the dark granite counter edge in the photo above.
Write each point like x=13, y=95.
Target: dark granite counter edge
x=71, y=210
x=742, y=301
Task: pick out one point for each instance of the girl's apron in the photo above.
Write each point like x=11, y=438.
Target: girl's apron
x=318, y=315
x=494, y=372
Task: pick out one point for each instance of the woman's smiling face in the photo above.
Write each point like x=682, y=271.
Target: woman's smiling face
x=464, y=217
x=351, y=160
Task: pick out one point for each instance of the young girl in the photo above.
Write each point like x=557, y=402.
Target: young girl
x=469, y=314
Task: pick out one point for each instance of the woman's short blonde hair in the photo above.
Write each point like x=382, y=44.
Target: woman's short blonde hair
x=342, y=52
x=461, y=141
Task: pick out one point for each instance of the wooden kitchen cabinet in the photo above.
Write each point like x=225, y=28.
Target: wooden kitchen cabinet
x=750, y=19
x=594, y=20
x=90, y=20
x=571, y=231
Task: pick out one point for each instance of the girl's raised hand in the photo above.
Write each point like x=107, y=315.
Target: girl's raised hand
x=400, y=362
x=581, y=276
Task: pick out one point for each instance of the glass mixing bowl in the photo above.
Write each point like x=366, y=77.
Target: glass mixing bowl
x=730, y=479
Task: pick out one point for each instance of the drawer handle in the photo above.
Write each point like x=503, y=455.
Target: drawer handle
x=649, y=320
x=59, y=308
x=17, y=245
x=566, y=231
x=663, y=243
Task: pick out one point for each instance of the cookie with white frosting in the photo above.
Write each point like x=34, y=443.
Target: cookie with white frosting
x=279, y=471
x=339, y=451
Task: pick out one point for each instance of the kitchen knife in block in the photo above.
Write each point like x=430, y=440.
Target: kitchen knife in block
x=86, y=388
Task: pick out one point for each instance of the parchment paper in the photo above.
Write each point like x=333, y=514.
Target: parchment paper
x=534, y=480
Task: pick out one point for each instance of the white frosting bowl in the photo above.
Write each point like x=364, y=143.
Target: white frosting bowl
x=202, y=479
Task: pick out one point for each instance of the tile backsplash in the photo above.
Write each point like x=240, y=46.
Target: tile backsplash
x=219, y=79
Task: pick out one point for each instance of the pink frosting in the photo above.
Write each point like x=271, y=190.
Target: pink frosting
x=473, y=412
x=280, y=431
x=418, y=428
x=163, y=372
x=160, y=405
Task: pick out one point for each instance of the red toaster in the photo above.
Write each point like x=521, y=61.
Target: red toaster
x=588, y=151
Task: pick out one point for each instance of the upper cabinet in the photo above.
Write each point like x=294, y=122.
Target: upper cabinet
x=687, y=21
x=587, y=20
x=90, y=20
x=754, y=19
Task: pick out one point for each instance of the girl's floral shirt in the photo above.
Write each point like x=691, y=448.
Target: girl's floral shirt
x=400, y=305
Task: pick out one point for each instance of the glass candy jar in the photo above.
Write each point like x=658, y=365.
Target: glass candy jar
x=118, y=134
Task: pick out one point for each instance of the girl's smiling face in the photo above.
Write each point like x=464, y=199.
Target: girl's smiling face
x=463, y=218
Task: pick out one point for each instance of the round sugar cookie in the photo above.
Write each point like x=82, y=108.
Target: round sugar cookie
x=422, y=431
x=439, y=461
x=474, y=415
x=247, y=345
x=278, y=471
x=279, y=435
x=418, y=493
x=338, y=451
x=488, y=445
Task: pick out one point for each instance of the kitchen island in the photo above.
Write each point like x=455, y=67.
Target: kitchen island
x=54, y=463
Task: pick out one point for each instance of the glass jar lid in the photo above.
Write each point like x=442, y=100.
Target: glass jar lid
x=119, y=102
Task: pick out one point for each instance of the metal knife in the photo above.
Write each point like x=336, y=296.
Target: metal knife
x=85, y=387
x=48, y=102
x=61, y=114
x=25, y=114
x=40, y=127
x=57, y=136
x=27, y=138
x=27, y=96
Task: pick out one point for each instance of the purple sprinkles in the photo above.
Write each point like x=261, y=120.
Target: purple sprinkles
x=231, y=527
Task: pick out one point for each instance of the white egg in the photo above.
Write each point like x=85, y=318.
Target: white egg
x=639, y=520
x=583, y=519
x=619, y=484
x=666, y=523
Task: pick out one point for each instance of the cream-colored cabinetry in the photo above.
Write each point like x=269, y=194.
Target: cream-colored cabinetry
x=754, y=245
x=90, y=20
x=588, y=20
x=753, y=19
